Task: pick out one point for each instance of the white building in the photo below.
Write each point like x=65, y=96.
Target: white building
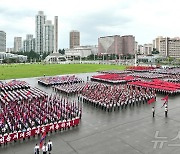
x=9, y=50
x=170, y=47
x=4, y=55
x=147, y=49
x=29, y=43
x=55, y=34
x=48, y=37
x=17, y=44
x=140, y=49
x=2, y=41
x=40, y=21
x=81, y=51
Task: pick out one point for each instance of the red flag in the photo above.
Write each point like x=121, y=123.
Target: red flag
x=164, y=104
x=43, y=137
x=165, y=98
x=152, y=100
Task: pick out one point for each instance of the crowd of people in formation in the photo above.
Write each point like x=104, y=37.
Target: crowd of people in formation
x=113, y=78
x=140, y=68
x=148, y=75
x=174, y=78
x=115, y=97
x=13, y=85
x=57, y=80
x=169, y=71
x=69, y=88
x=115, y=72
x=23, y=109
x=159, y=86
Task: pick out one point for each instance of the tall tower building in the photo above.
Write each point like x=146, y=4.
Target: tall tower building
x=48, y=37
x=74, y=39
x=17, y=44
x=40, y=21
x=2, y=41
x=29, y=43
x=55, y=34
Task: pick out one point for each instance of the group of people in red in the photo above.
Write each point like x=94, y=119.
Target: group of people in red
x=22, y=110
x=58, y=80
x=110, y=98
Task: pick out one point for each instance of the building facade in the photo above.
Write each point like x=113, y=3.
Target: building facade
x=170, y=47
x=48, y=37
x=29, y=43
x=17, y=44
x=9, y=50
x=157, y=43
x=147, y=49
x=55, y=34
x=128, y=45
x=2, y=41
x=74, y=39
x=39, y=24
x=119, y=45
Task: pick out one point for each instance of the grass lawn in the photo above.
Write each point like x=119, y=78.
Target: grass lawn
x=15, y=71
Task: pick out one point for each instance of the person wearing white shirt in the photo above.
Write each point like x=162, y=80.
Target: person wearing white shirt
x=36, y=149
x=50, y=146
x=44, y=149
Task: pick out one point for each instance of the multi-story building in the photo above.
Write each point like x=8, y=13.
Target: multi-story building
x=110, y=45
x=29, y=43
x=117, y=45
x=55, y=34
x=2, y=41
x=170, y=47
x=140, y=49
x=17, y=44
x=48, y=37
x=9, y=50
x=40, y=21
x=157, y=43
x=136, y=47
x=147, y=49
x=74, y=39
x=128, y=44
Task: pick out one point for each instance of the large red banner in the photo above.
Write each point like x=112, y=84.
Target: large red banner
x=38, y=130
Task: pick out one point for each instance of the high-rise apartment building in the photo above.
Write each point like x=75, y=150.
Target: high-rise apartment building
x=55, y=34
x=40, y=21
x=29, y=43
x=17, y=44
x=74, y=39
x=120, y=45
x=170, y=47
x=48, y=37
x=2, y=41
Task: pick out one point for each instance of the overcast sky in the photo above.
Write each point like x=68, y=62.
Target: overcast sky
x=145, y=19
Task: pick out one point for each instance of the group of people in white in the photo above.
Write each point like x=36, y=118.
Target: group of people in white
x=46, y=148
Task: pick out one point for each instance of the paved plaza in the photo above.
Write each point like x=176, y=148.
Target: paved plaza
x=128, y=131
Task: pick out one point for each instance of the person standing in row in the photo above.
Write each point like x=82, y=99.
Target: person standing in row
x=44, y=149
x=50, y=146
x=36, y=149
x=166, y=111
x=153, y=111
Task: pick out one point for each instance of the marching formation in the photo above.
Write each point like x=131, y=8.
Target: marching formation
x=58, y=80
x=110, y=97
x=69, y=88
x=148, y=75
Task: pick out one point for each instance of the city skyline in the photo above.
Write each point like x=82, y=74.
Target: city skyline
x=142, y=18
